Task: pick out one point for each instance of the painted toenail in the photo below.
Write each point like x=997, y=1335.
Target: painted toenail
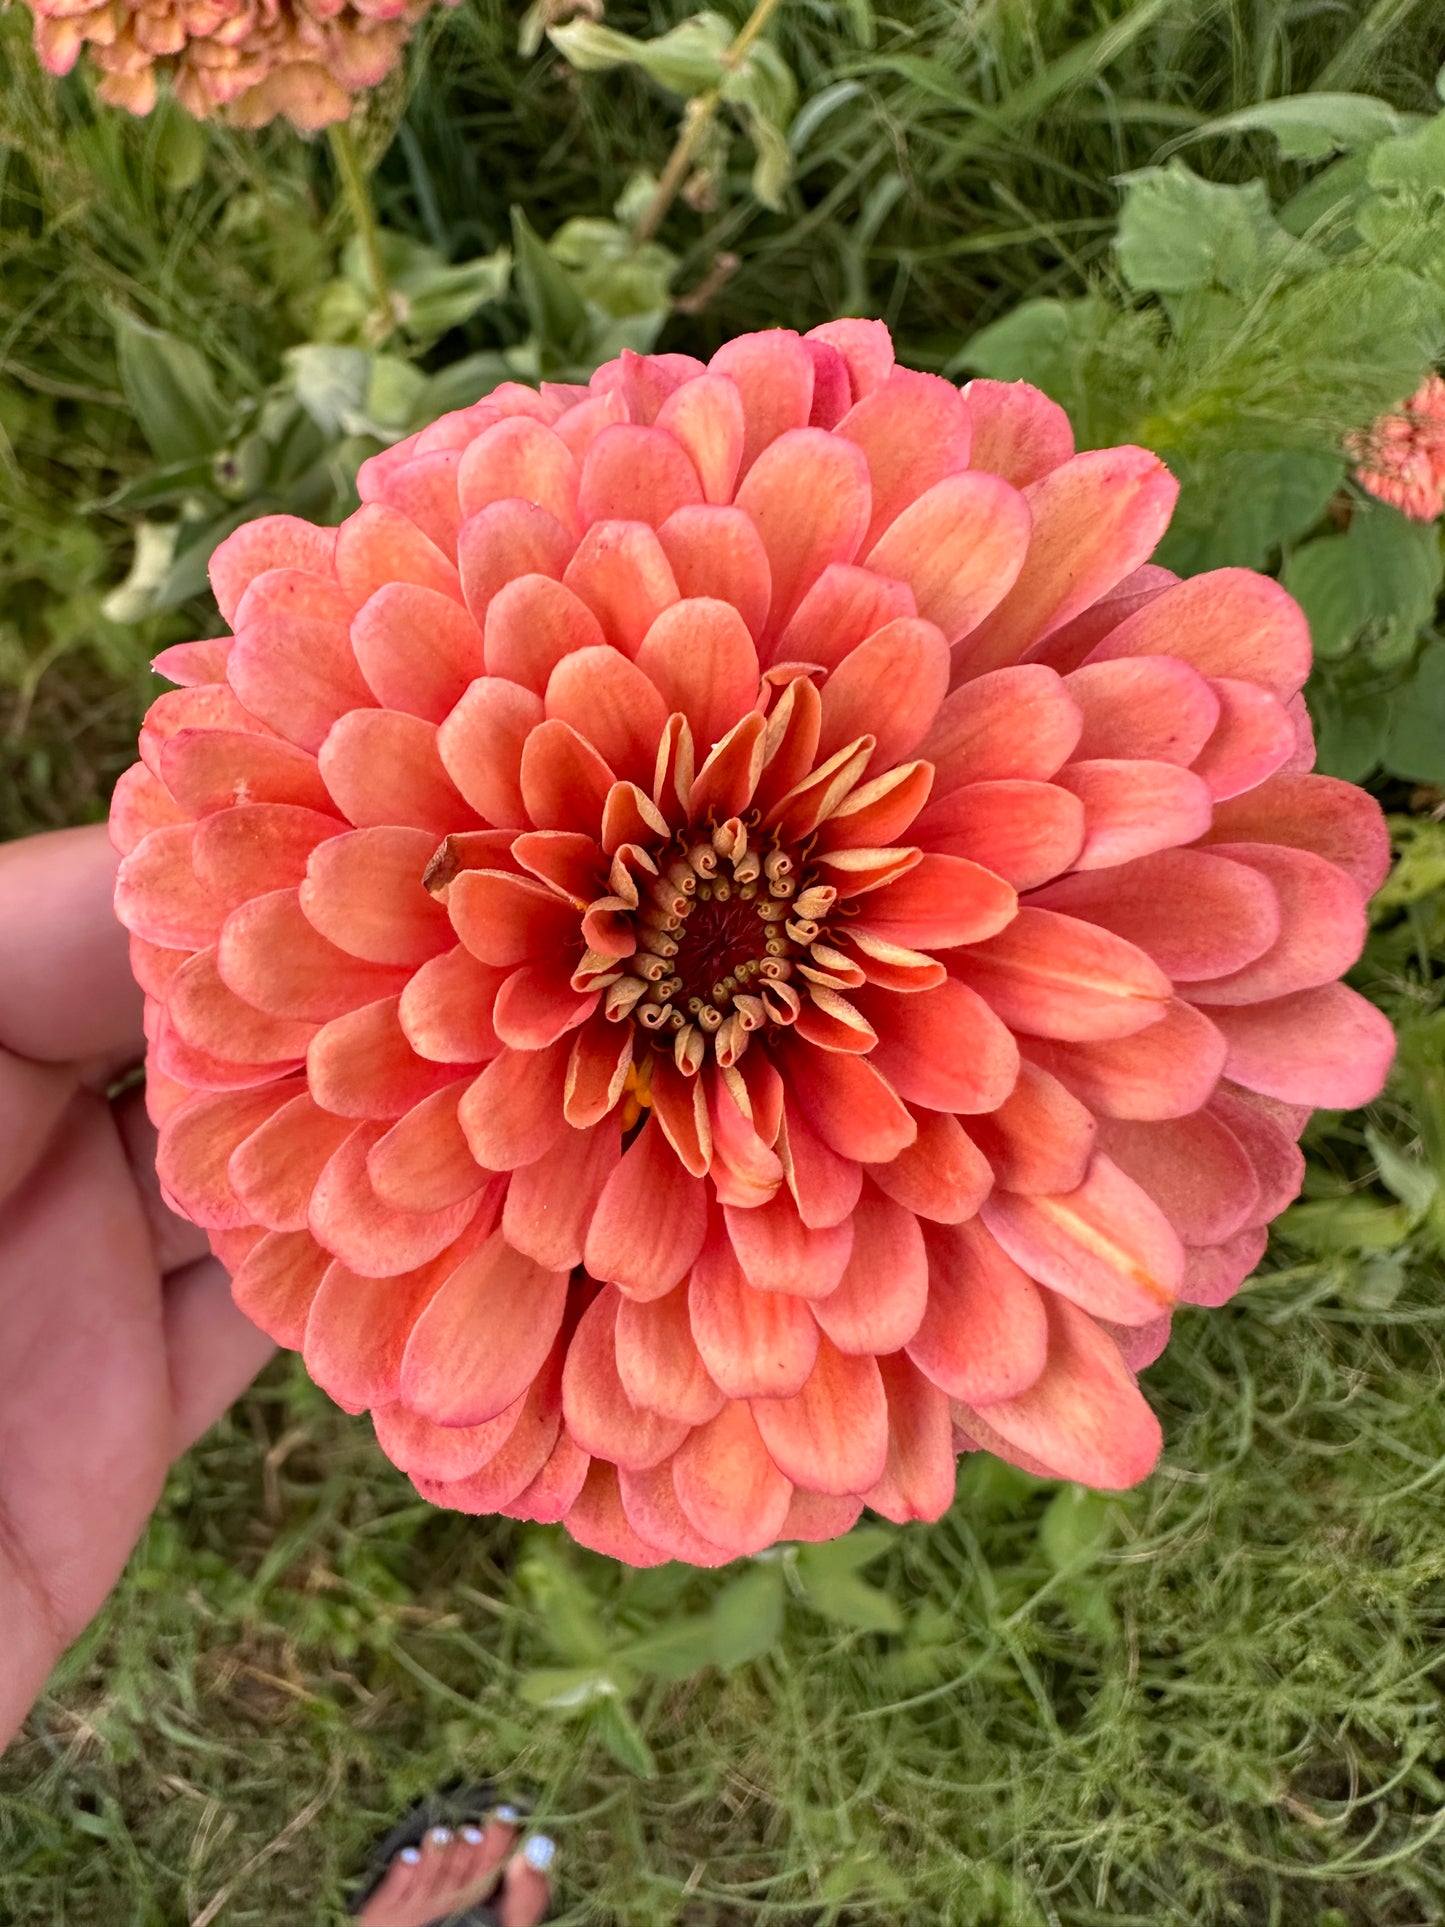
x=539, y=1852
x=472, y=1836
x=440, y=1836
x=508, y=1816
x=409, y=1856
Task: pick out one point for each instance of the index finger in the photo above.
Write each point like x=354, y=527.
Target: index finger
x=66, y=990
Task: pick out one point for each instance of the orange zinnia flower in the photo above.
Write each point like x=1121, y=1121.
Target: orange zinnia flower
x=727, y=937
x=246, y=61
x=1401, y=457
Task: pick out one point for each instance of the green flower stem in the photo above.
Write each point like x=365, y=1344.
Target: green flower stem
x=358, y=199
x=697, y=118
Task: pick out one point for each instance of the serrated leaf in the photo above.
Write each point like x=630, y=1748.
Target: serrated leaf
x=171, y=390
x=1178, y=232
x=747, y=1617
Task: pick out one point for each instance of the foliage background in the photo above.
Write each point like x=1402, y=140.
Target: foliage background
x=1217, y=1699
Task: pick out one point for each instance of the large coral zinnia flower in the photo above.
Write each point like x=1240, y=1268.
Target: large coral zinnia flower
x=727, y=937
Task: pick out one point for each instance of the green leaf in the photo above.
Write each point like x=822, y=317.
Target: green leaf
x=610, y=272
x=553, y=304
x=1419, y=869
x=1239, y=507
x=461, y=383
x=853, y=1550
x=1414, y=745
x=1351, y=727
x=623, y=1738
x=1337, y=1225
x=764, y=88
x=851, y=1602
x=566, y=1688
x=331, y=384
x=1409, y=1179
x=673, y=1652
x=394, y=390
x=687, y=60
x=747, y=1617
x=1178, y=232
x=1414, y=161
x=180, y=145
x=566, y=1606
x=1323, y=580
x=1076, y=1526
x=1310, y=126
x=1044, y=341
x=188, y=575
x=1383, y=575
x=438, y=297
x=171, y=390
x=151, y=558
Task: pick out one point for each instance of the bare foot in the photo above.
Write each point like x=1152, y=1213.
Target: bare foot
x=451, y=1872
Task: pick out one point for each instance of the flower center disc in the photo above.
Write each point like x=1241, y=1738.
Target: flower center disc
x=719, y=930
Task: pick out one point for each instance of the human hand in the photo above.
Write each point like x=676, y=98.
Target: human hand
x=119, y=1344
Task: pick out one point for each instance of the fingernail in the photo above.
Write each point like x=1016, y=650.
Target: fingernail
x=509, y=1816
x=440, y=1836
x=410, y=1855
x=472, y=1836
x=539, y=1852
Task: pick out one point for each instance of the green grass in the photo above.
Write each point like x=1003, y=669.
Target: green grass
x=1217, y=1700
x=1230, y=1712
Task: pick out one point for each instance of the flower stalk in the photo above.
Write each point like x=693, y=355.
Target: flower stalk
x=357, y=190
x=697, y=118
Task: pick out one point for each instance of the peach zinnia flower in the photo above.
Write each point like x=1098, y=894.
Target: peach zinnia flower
x=1401, y=457
x=244, y=60
x=727, y=937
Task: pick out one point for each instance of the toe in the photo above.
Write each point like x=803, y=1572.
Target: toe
x=390, y=1904
x=527, y=1890
x=439, y=1854
x=489, y=1846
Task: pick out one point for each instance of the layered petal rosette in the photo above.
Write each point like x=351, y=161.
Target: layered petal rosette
x=244, y=61
x=727, y=937
x=1400, y=458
